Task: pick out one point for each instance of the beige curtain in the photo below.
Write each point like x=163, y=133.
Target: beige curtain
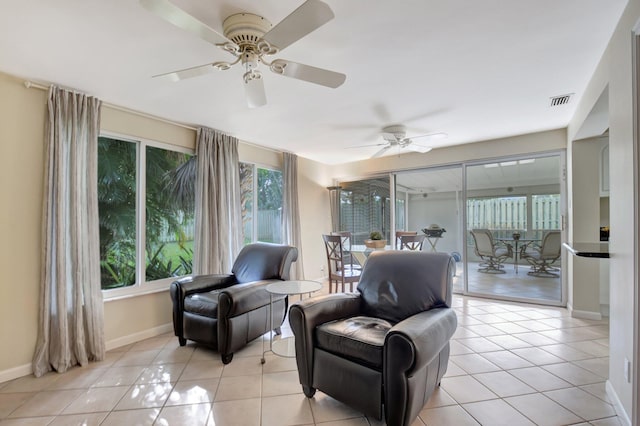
x=71, y=322
x=218, y=235
x=291, y=211
x=334, y=206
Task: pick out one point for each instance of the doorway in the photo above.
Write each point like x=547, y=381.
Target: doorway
x=518, y=205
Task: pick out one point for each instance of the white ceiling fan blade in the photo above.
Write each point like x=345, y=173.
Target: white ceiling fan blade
x=311, y=15
x=382, y=151
x=181, y=19
x=308, y=73
x=432, y=136
x=187, y=73
x=364, y=146
x=254, y=89
x=418, y=148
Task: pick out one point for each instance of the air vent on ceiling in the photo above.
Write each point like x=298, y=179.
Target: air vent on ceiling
x=560, y=100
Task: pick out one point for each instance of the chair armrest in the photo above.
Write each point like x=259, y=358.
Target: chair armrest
x=241, y=298
x=505, y=244
x=306, y=315
x=416, y=341
x=183, y=287
x=201, y=283
x=409, y=347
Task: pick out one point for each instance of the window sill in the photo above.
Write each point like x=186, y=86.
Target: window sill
x=137, y=290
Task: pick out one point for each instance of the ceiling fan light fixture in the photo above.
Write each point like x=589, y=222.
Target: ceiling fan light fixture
x=254, y=90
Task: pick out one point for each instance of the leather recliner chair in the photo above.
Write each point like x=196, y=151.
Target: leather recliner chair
x=384, y=349
x=227, y=311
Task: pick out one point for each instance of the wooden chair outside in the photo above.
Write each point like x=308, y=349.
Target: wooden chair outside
x=411, y=242
x=340, y=270
x=402, y=233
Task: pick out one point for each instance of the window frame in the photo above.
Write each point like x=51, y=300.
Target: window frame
x=141, y=286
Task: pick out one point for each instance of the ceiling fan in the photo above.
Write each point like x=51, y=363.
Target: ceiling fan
x=395, y=136
x=251, y=39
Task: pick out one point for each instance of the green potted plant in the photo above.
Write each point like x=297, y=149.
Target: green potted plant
x=375, y=241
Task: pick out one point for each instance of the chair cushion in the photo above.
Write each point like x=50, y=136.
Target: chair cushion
x=264, y=261
x=357, y=338
x=398, y=284
x=205, y=304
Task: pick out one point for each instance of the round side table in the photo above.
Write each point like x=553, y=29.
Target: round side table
x=286, y=346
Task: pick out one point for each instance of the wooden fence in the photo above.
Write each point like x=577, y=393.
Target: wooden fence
x=510, y=213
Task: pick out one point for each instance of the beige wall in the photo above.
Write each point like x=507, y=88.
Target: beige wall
x=21, y=176
x=584, y=214
x=313, y=179
x=615, y=70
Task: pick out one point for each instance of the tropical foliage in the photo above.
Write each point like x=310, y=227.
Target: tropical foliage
x=168, y=211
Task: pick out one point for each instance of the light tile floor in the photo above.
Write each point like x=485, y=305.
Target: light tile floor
x=512, y=364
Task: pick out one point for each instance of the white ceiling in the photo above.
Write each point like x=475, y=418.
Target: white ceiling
x=473, y=69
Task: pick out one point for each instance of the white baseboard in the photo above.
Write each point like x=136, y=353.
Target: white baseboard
x=605, y=310
x=26, y=369
x=585, y=314
x=617, y=405
x=136, y=337
x=15, y=372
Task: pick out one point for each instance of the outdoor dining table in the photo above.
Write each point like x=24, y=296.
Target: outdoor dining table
x=513, y=242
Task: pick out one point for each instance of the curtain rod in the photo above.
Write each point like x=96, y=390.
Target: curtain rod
x=31, y=85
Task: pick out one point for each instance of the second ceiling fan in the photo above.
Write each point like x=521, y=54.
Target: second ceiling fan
x=395, y=136
x=251, y=39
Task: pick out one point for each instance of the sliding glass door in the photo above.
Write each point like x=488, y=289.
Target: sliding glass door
x=429, y=202
x=500, y=220
x=514, y=209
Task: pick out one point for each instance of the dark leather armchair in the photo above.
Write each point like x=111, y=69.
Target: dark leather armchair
x=386, y=346
x=227, y=311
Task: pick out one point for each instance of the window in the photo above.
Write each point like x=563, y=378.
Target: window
x=146, y=212
x=365, y=207
x=261, y=198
